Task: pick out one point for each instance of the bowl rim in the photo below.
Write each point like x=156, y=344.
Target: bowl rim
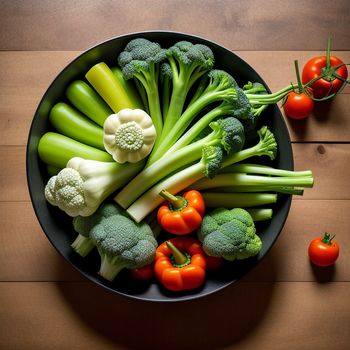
x=103, y=284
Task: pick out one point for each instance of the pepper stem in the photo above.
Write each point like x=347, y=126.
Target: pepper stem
x=176, y=202
x=179, y=258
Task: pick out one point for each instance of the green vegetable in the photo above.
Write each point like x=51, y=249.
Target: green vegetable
x=260, y=214
x=234, y=200
x=129, y=87
x=140, y=60
x=81, y=187
x=56, y=150
x=121, y=244
x=110, y=88
x=188, y=62
x=229, y=234
x=238, y=178
x=227, y=133
x=69, y=122
x=209, y=164
x=52, y=170
x=165, y=76
x=83, y=97
x=129, y=135
x=221, y=87
x=83, y=244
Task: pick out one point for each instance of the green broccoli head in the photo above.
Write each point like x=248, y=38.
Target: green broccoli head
x=83, y=225
x=139, y=56
x=122, y=243
x=254, y=88
x=165, y=72
x=242, y=106
x=230, y=131
x=188, y=54
x=220, y=79
x=229, y=234
x=212, y=156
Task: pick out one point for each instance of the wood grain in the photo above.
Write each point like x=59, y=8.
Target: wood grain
x=284, y=303
x=244, y=316
x=238, y=25
x=37, y=260
x=19, y=96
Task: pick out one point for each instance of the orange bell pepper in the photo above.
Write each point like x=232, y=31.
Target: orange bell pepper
x=180, y=264
x=181, y=215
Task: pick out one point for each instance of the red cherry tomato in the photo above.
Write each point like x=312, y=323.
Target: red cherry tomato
x=298, y=105
x=144, y=273
x=323, y=251
x=329, y=84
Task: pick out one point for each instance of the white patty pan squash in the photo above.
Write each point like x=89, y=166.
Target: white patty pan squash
x=129, y=135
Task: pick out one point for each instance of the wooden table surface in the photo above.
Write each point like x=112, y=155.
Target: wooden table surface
x=284, y=303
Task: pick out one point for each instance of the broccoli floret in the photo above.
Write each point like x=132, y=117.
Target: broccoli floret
x=231, y=133
x=254, y=88
x=212, y=158
x=188, y=62
x=241, y=106
x=141, y=60
x=231, y=138
x=230, y=234
x=122, y=243
x=83, y=225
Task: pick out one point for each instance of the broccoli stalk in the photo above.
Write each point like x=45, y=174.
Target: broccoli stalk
x=237, y=200
x=221, y=87
x=121, y=244
x=209, y=164
x=228, y=133
x=188, y=62
x=166, y=87
x=141, y=61
x=82, y=245
x=260, y=214
x=226, y=108
x=239, y=178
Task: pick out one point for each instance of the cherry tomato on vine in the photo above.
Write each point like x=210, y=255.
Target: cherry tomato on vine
x=323, y=251
x=298, y=105
x=330, y=71
x=320, y=67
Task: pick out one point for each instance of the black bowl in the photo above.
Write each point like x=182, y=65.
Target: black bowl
x=58, y=226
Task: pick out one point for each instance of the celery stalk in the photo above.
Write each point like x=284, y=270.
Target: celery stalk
x=56, y=150
x=238, y=200
x=109, y=87
x=83, y=97
x=69, y=122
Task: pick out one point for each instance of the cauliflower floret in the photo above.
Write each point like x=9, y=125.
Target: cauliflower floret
x=66, y=190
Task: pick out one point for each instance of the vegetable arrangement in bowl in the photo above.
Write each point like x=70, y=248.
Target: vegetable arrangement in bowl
x=160, y=140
